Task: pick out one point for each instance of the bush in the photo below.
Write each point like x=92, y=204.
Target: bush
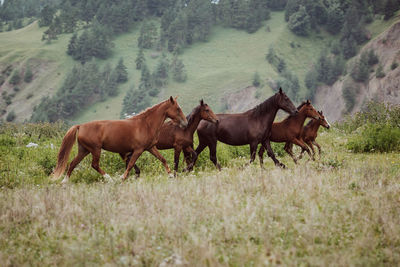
x=379, y=72
x=256, y=79
x=349, y=93
x=15, y=78
x=394, y=65
x=11, y=116
x=28, y=75
x=380, y=137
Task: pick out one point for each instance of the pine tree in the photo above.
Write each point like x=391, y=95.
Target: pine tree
x=299, y=22
x=46, y=16
x=122, y=74
x=135, y=101
x=72, y=46
x=140, y=59
x=145, y=78
x=178, y=70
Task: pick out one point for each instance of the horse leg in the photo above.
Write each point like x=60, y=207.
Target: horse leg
x=261, y=156
x=213, y=155
x=177, y=153
x=288, y=148
x=153, y=150
x=131, y=163
x=82, y=153
x=96, y=163
x=198, y=150
x=127, y=158
x=187, y=152
x=270, y=152
x=319, y=148
x=253, y=150
x=301, y=144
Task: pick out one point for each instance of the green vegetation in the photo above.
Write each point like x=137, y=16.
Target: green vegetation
x=342, y=208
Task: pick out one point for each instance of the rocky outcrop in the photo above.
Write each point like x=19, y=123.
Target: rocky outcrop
x=387, y=47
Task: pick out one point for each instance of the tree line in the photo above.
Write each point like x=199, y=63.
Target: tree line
x=85, y=84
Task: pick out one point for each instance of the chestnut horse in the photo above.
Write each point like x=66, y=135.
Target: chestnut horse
x=133, y=135
x=172, y=136
x=309, y=133
x=251, y=127
x=289, y=130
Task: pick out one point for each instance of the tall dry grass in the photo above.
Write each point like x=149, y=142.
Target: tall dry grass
x=336, y=212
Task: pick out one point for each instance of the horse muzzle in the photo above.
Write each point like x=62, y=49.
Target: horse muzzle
x=183, y=124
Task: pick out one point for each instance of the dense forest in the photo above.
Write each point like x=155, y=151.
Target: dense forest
x=95, y=23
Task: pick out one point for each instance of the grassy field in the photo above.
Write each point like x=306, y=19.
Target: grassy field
x=341, y=210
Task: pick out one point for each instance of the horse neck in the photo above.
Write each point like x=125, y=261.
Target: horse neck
x=314, y=126
x=298, y=119
x=193, y=123
x=158, y=115
x=270, y=113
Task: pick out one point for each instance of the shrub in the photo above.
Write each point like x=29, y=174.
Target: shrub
x=379, y=72
x=256, y=79
x=15, y=78
x=11, y=116
x=28, y=75
x=380, y=137
x=394, y=65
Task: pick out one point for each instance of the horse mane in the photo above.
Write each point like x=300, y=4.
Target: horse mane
x=191, y=116
x=145, y=112
x=301, y=105
x=263, y=108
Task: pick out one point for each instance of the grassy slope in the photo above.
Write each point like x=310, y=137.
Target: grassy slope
x=342, y=210
x=224, y=64
x=49, y=64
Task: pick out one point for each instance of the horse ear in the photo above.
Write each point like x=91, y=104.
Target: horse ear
x=280, y=90
x=202, y=102
x=308, y=101
x=171, y=99
x=320, y=112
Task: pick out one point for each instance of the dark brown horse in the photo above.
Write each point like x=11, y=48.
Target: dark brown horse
x=172, y=136
x=251, y=127
x=133, y=135
x=289, y=129
x=310, y=132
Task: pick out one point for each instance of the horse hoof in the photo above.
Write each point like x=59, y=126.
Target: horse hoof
x=171, y=175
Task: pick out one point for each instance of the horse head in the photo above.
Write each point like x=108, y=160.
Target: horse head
x=285, y=103
x=174, y=112
x=323, y=121
x=206, y=113
x=308, y=109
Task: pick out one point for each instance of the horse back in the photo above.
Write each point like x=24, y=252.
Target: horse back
x=233, y=129
x=113, y=135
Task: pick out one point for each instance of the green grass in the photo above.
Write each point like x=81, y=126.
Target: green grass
x=341, y=210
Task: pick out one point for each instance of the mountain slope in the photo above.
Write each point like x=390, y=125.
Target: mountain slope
x=387, y=47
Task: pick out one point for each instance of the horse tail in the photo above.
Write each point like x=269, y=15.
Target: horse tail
x=65, y=149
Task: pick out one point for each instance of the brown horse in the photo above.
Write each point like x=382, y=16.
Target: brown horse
x=251, y=127
x=289, y=129
x=172, y=136
x=309, y=133
x=133, y=135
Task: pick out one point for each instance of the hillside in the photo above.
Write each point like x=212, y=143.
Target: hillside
x=217, y=69
x=386, y=45
x=220, y=70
